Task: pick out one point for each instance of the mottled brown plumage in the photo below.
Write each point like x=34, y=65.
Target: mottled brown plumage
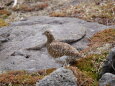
x=58, y=49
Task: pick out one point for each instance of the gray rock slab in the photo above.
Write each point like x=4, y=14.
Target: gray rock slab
x=27, y=33
x=60, y=77
x=107, y=79
x=109, y=64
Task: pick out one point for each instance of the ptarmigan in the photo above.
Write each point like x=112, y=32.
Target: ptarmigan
x=58, y=49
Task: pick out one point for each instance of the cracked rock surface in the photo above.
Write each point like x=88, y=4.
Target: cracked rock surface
x=14, y=40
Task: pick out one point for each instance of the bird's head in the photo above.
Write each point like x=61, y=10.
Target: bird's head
x=47, y=33
x=49, y=36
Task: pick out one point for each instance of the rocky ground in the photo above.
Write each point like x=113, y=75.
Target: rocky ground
x=26, y=31
x=101, y=11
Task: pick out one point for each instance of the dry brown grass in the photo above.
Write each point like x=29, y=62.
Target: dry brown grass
x=23, y=8
x=58, y=14
x=81, y=78
x=23, y=78
x=40, y=6
x=106, y=36
x=102, y=13
x=87, y=69
x=4, y=13
x=29, y=8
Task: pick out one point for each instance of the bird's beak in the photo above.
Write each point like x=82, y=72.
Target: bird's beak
x=43, y=33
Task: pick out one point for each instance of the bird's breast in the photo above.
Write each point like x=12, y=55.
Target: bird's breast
x=54, y=53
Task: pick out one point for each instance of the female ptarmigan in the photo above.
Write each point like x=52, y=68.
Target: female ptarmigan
x=58, y=49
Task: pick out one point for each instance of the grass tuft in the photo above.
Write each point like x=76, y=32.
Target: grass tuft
x=102, y=37
x=4, y=13
x=91, y=66
x=3, y=23
x=58, y=14
x=29, y=8
x=81, y=78
x=103, y=13
x=23, y=78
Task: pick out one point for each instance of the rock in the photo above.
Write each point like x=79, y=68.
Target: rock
x=107, y=79
x=2, y=40
x=60, y=77
x=28, y=33
x=109, y=64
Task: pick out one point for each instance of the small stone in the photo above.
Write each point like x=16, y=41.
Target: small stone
x=107, y=79
x=109, y=64
x=60, y=77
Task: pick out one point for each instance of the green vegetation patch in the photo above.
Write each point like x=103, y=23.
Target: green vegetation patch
x=3, y=23
x=23, y=78
x=91, y=66
x=82, y=78
x=3, y=15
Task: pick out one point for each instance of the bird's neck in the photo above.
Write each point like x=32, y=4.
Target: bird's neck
x=50, y=38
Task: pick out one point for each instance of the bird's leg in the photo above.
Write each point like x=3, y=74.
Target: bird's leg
x=62, y=60
x=66, y=62
x=45, y=71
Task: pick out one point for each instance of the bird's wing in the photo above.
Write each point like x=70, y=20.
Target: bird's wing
x=62, y=47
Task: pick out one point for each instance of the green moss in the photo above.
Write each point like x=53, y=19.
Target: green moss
x=91, y=65
x=3, y=23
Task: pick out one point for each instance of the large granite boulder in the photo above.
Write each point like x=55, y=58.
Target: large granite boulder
x=14, y=39
x=60, y=77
